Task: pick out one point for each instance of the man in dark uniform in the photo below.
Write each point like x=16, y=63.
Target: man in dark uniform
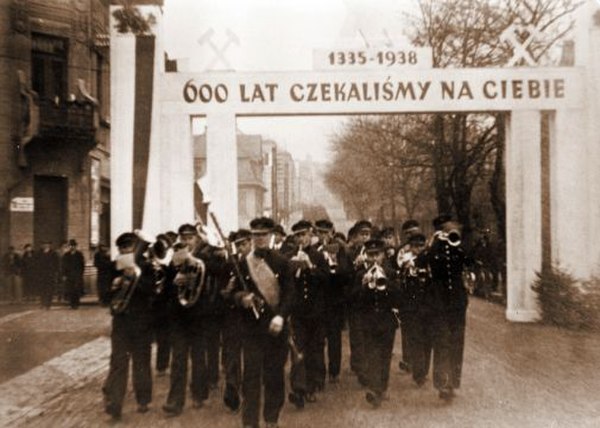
x=409, y=228
x=362, y=233
x=340, y=274
x=131, y=295
x=232, y=323
x=198, y=266
x=448, y=303
x=375, y=292
x=47, y=266
x=73, y=265
x=416, y=317
x=161, y=254
x=310, y=279
x=266, y=293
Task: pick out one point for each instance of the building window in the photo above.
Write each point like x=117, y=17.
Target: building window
x=49, y=66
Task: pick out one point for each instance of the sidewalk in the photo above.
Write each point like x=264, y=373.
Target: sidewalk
x=515, y=375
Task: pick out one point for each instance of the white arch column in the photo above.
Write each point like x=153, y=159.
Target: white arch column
x=523, y=213
x=221, y=168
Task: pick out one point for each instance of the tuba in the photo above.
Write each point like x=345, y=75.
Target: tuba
x=126, y=286
x=190, y=277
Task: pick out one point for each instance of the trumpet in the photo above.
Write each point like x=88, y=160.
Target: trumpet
x=376, y=277
x=303, y=260
x=451, y=235
x=190, y=277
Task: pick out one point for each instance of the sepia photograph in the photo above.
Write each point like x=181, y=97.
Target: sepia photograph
x=298, y=214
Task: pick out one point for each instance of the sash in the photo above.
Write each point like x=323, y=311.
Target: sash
x=264, y=278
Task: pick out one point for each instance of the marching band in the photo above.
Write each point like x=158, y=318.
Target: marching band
x=258, y=299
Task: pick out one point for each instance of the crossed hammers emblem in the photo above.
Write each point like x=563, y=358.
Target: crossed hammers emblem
x=512, y=36
x=219, y=52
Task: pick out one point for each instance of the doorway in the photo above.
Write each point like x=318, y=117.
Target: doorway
x=50, y=215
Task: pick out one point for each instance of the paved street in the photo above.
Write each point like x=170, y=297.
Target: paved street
x=515, y=375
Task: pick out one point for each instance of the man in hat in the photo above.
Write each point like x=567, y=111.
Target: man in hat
x=198, y=267
x=278, y=237
x=131, y=326
x=416, y=317
x=447, y=301
x=265, y=291
x=232, y=324
x=409, y=228
x=161, y=254
x=375, y=293
x=362, y=234
x=47, y=265
x=310, y=277
x=340, y=273
x=73, y=265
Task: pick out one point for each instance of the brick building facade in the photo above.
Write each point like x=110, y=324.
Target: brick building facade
x=54, y=122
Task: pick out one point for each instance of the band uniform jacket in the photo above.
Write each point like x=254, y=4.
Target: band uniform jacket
x=447, y=291
x=210, y=301
x=280, y=266
x=143, y=296
x=310, y=285
x=376, y=304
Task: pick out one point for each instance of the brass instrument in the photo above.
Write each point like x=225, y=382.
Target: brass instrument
x=126, y=286
x=451, y=234
x=330, y=253
x=377, y=279
x=303, y=259
x=190, y=277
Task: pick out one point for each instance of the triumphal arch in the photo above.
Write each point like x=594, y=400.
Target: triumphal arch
x=152, y=175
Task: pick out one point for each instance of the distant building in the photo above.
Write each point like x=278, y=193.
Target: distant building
x=54, y=122
x=270, y=177
x=286, y=178
x=251, y=188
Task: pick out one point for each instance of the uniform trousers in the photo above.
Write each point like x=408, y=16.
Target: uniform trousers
x=264, y=360
x=308, y=374
x=163, y=340
x=130, y=339
x=378, y=339
x=334, y=323
x=420, y=331
x=355, y=333
x=232, y=349
x=188, y=340
x=212, y=326
x=448, y=347
x=405, y=322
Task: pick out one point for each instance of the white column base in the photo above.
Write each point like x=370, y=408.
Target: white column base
x=522, y=315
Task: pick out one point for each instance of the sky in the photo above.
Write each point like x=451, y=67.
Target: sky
x=277, y=35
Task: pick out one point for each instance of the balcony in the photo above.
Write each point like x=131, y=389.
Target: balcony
x=69, y=122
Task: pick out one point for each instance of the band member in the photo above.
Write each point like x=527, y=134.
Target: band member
x=375, y=291
x=448, y=302
x=190, y=304
x=265, y=290
x=388, y=236
x=232, y=323
x=310, y=279
x=73, y=265
x=279, y=236
x=131, y=293
x=361, y=234
x=409, y=228
x=416, y=318
x=340, y=274
x=162, y=253
x=28, y=271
